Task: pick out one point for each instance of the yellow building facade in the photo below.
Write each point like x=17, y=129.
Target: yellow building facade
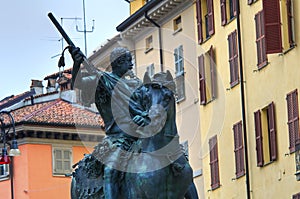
x=237, y=76
x=255, y=82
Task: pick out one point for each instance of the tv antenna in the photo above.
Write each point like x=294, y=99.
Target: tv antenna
x=62, y=39
x=84, y=28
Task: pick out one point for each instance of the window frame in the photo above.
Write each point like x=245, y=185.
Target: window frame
x=202, y=80
x=265, y=135
x=296, y=196
x=262, y=58
x=185, y=148
x=223, y=12
x=272, y=25
x=290, y=22
x=239, y=149
x=214, y=162
x=205, y=76
x=209, y=20
x=148, y=44
x=179, y=73
x=177, y=26
x=251, y=2
x=232, y=9
x=293, y=119
x=228, y=11
x=4, y=171
x=63, y=171
x=233, y=58
x=199, y=21
x=258, y=138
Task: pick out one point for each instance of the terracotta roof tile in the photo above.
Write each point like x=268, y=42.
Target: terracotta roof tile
x=55, y=75
x=57, y=112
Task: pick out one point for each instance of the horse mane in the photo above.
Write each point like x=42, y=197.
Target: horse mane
x=163, y=79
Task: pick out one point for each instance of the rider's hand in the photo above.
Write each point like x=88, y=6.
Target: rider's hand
x=76, y=54
x=140, y=120
x=77, y=57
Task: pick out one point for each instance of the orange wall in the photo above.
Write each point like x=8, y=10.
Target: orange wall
x=5, y=189
x=20, y=177
x=79, y=151
x=33, y=174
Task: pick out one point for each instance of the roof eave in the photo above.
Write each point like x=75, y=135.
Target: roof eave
x=138, y=14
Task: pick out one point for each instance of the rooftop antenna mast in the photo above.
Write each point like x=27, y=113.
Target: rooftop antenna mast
x=62, y=39
x=84, y=28
x=61, y=22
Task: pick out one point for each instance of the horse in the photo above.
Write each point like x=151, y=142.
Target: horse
x=158, y=168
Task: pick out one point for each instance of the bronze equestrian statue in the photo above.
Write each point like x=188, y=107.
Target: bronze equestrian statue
x=140, y=157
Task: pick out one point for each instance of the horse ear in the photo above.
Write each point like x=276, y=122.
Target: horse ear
x=147, y=78
x=169, y=76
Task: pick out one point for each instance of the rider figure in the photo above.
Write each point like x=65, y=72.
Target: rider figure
x=117, y=122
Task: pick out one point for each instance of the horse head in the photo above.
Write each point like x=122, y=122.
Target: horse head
x=155, y=98
x=160, y=91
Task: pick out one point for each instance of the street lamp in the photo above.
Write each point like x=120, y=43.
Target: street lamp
x=8, y=124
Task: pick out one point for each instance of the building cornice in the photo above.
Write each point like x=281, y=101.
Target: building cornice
x=66, y=143
x=59, y=133
x=156, y=10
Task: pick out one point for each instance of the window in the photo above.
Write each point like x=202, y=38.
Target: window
x=205, y=10
x=151, y=70
x=238, y=149
x=207, y=79
x=251, y=1
x=149, y=44
x=233, y=59
x=185, y=147
x=214, y=162
x=268, y=31
x=177, y=24
x=272, y=24
x=293, y=118
x=265, y=135
x=179, y=73
x=4, y=170
x=290, y=22
x=260, y=40
x=296, y=196
x=62, y=159
x=228, y=10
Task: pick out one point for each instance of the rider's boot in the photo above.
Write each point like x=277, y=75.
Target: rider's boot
x=111, y=188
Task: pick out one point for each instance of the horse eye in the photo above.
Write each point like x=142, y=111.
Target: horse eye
x=167, y=98
x=146, y=98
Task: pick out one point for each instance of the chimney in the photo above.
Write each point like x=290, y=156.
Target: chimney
x=37, y=86
x=51, y=85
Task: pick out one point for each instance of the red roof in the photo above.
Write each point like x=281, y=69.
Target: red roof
x=13, y=99
x=57, y=113
x=55, y=75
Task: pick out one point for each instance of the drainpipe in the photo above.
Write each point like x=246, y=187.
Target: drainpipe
x=243, y=101
x=159, y=38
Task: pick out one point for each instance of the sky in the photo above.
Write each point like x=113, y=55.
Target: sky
x=30, y=44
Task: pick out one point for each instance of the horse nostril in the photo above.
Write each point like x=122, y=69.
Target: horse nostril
x=157, y=111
